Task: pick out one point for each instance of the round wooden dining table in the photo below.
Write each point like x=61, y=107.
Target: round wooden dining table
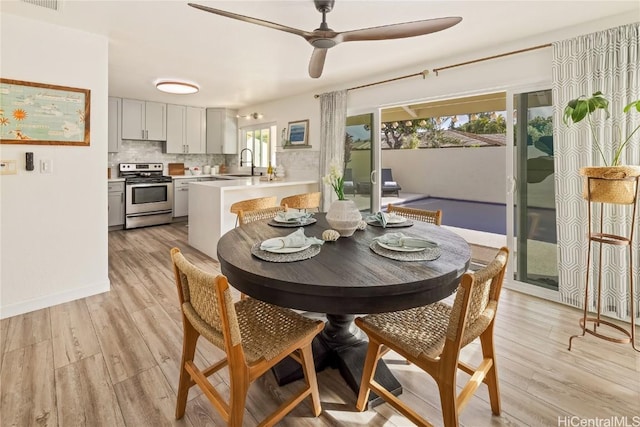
x=346, y=278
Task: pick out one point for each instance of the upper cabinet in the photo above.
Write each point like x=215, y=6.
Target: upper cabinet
x=144, y=120
x=222, y=131
x=115, y=127
x=186, y=129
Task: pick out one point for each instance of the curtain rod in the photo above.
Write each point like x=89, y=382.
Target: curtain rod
x=424, y=73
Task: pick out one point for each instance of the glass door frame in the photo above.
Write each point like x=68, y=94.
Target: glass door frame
x=512, y=186
x=376, y=151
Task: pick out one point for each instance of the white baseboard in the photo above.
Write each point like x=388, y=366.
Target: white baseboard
x=54, y=299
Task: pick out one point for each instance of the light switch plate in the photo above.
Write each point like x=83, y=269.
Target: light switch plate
x=8, y=167
x=46, y=166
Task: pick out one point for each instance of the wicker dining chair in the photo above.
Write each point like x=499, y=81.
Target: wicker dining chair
x=302, y=201
x=254, y=335
x=432, y=336
x=433, y=217
x=246, y=217
x=252, y=204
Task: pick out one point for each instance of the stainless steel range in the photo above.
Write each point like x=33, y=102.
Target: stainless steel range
x=148, y=194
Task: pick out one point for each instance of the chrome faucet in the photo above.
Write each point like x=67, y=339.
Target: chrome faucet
x=252, y=165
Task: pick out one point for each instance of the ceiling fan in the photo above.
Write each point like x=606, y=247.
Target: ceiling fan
x=324, y=38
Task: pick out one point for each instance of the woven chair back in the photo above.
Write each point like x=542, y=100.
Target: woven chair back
x=247, y=217
x=200, y=295
x=432, y=217
x=302, y=201
x=482, y=290
x=253, y=204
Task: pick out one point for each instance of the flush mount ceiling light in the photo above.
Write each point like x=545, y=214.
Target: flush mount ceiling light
x=180, y=88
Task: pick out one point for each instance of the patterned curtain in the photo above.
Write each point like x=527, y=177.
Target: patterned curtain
x=606, y=61
x=333, y=122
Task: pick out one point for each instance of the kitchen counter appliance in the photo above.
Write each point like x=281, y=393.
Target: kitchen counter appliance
x=148, y=194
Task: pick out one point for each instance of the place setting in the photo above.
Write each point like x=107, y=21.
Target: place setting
x=388, y=220
x=403, y=247
x=292, y=219
x=293, y=247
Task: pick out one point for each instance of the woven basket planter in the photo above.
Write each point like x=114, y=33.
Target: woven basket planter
x=608, y=185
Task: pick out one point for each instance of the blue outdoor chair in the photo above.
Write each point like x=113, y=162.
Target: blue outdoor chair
x=348, y=184
x=389, y=186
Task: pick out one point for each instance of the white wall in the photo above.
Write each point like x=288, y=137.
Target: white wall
x=455, y=173
x=300, y=163
x=53, y=227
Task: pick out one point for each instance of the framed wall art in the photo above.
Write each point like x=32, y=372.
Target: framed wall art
x=43, y=114
x=298, y=134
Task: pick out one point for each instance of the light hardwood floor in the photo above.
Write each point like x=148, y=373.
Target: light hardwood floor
x=112, y=360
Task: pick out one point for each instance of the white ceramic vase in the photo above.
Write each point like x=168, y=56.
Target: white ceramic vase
x=344, y=216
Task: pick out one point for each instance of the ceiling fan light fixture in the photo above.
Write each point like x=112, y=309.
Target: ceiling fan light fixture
x=176, y=87
x=323, y=43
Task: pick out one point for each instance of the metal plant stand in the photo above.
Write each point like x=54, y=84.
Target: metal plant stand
x=591, y=324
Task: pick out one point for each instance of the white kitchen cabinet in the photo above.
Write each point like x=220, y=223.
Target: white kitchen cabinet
x=196, y=125
x=222, y=131
x=114, y=125
x=116, y=203
x=176, y=117
x=144, y=120
x=181, y=196
x=186, y=129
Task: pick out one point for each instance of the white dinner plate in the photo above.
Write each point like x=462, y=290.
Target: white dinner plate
x=301, y=220
x=401, y=248
x=396, y=220
x=287, y=250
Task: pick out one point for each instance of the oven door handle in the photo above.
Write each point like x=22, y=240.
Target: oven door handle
x=151, y=184
x=149, y=213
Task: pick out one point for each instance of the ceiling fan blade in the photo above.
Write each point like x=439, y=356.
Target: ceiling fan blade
x=317, y=62
x=268, y=24
x=399, y=31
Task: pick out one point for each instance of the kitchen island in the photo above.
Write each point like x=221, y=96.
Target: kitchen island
x=210, y=203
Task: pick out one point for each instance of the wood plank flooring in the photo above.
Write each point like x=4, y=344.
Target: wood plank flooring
x=112, y=360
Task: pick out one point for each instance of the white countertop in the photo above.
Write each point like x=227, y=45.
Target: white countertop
x=254, y=182
x=196, y=176
x=226, y=177
x=210, y=204
x=235, y=181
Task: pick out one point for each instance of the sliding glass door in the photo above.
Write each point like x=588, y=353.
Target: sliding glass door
x=531, y=213
x=359, y=161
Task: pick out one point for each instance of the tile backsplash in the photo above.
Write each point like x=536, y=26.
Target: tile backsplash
x=298, y=164
x=152, y=152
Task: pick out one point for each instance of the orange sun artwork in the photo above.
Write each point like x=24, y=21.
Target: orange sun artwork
x=19, y=114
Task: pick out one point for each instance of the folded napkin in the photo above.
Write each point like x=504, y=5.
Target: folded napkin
x=297, y=239
x=402, y=240
x=378, y=216
x=292, y=216
x=384, y=218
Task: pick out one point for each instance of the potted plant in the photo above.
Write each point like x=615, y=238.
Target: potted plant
x=609, y=186
x=343, y=215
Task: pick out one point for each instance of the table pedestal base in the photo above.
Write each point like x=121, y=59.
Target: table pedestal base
x=341, y=345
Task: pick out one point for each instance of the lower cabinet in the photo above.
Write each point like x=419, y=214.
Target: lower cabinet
x=116, y=203
x=181, y=194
